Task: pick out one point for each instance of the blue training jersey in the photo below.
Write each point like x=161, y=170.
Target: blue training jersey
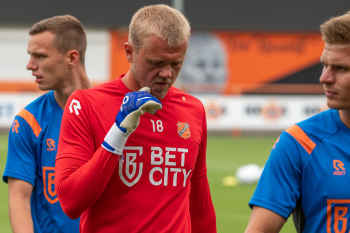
x=309, y=165
x=31, y=157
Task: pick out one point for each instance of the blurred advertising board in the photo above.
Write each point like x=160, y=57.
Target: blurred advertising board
x=256, y=112
x=259, y=112
x=13, y=103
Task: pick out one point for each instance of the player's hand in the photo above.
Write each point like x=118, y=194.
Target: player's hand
x=134, y=105
x=128, y=118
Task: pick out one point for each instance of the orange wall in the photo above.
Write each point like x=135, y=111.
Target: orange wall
x=255, y=59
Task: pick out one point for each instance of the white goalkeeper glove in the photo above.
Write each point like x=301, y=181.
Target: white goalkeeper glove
x=134, y=105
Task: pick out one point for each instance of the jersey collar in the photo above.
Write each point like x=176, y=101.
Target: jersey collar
x=54, y=103
x=338, y=122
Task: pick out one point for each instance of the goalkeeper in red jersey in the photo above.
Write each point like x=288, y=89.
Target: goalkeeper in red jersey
x=132, y=152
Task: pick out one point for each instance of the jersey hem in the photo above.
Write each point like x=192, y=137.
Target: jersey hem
x=270, y=206
x=16, y=176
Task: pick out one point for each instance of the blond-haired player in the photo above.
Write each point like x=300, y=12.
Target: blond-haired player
x=123, y=169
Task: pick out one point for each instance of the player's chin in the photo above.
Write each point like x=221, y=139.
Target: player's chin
x=159, y=94
x=339, y=105
x=159, y=91
x=43, y=87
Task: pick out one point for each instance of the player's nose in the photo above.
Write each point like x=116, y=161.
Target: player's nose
x=31, y=65
x=327, y=76
x=166, y=72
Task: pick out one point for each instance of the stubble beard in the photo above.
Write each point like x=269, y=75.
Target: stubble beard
x=159, y=93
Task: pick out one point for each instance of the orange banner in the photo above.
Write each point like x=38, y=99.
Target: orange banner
x=119, y=64
x=258, y=58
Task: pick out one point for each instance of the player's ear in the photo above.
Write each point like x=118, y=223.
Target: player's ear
x=129, y=52
x=73, y=58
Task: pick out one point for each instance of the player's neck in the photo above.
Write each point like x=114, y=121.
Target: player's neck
x=78, y=80
x=130, y=82
x=345, y=117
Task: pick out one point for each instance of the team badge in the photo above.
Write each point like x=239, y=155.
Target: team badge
x=338, y=215
x=49, y=184
x=183, y=130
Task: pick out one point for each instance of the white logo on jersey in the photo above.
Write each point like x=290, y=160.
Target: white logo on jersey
x=76, y=105
x=131, y=166
x=168, y=164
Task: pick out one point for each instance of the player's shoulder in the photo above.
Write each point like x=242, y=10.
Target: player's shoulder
x=314, y=129
x=37, y=113
x=41, y=107
x=98, y=92
x=178, y=94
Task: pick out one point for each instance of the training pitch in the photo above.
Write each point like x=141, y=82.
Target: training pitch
x=224, y=156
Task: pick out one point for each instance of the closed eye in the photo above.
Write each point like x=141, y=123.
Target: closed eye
x=156, y=63
x=339, y=68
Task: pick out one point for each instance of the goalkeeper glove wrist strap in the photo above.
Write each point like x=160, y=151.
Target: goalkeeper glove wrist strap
x=115, y=140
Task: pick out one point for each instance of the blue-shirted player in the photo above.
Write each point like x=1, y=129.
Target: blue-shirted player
x=308, y=171
x=57, y=52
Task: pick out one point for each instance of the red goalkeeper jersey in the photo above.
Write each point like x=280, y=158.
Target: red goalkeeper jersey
x=162, y=184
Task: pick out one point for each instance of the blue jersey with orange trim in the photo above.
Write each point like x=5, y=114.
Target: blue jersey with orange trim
x=31, y=157
x=307, y=171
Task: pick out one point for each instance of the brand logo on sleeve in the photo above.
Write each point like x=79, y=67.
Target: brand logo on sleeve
x=183, y=130
x=15, y=126
x=339, y=168
x=49, y=184
x=50, y=144
x=274, y=145
x=74, y=105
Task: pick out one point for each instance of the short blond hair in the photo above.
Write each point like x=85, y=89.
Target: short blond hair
x=161, y=20
x=69, y=34
x=337, y=30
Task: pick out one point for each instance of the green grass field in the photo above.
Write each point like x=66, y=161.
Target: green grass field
x=224, y=156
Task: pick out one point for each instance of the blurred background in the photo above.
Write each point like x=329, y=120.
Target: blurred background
x=254, y=65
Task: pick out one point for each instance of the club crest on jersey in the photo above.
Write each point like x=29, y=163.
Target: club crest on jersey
x=338, y=211
x=49, y=184
x=130, y=171
x=183, y=130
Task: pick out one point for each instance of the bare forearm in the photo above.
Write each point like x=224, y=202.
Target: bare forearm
x=21, y=217
x=264, y=221
x=254, y=231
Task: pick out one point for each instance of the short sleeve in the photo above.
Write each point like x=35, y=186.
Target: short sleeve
x=279, y=186
x=201, y=165
x=21, y=157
